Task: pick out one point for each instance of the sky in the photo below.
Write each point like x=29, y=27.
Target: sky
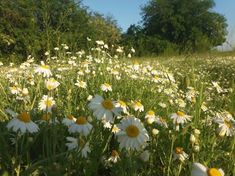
x=127, y=12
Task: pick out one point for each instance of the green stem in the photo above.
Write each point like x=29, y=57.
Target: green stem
x=170, y=159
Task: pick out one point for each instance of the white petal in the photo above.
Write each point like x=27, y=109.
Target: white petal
x=198, y=170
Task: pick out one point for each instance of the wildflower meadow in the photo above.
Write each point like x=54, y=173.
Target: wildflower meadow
x=102, y=112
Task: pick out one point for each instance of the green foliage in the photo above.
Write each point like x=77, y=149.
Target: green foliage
x=34, y=27
x=189, y=24
x=145, y=44
x=178, y=26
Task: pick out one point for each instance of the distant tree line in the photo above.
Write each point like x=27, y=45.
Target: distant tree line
x=177, y=26
x=36, y=26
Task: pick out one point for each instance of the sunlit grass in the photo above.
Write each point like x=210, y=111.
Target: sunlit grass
x=184, y=106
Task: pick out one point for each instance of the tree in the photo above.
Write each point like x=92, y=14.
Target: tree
x=192, y=25
x=36, y=26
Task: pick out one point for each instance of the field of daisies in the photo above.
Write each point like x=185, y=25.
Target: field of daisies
x=103, y=113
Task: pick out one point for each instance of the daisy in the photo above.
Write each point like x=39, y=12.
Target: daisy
x=162, y=122
x=44, y=70
x=106, y=87
x=180, y=117
x=114, y=157
x=150, y=116
x=81, y=84
x=85, y=150
x=78, y=145
x=180, y=154
x=226, y=124
x=115, y=129
x=72, y=143
x=52, y=84
x=81, y=125
x=200, y=170
x=137, y=106
x=21, y=122
x=103, y=108
x=46, y=103
x=15, y=90
x=144, y=156
x=132, y=134
x=122, y=104
x=155, y=131
x=69, y=120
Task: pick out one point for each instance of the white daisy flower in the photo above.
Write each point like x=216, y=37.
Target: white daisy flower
x=81, y=84
x=200, y=170
x=52, y=84
x=78, y=145
x=15, y=90
x=122, y=104
x=81, y=126
x=85, y=150
x=217, y=87
x=226, y=124
x=99, y=42
x=145, y=155
x=69, y=120
x=155, y=131
x=46, y=103
x=115, y=129
x=72, y=143
x=21, y=122
x=137, y=106
x=114, y=157
x=150, y=117
x=103, y=108
x=180, y=117
x=44, y=70
x=162, y=122
x=132, y=134
x=106, y=87
x=180, y=154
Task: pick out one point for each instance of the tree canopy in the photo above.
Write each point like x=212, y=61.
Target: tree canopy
x=192, y=25
x=36, y=26
x=177, y=26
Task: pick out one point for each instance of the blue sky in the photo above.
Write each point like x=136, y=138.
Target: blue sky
x=127, y=12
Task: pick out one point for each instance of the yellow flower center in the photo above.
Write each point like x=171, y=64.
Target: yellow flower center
x=25, y=117
x=108, y=104
x=46, y=117
x=228, y=123
x=122, y=103
x=132, y=131
x=50, y=86
x=70, y=117
x=151, y=113
x=106, y=85
x=180, y=113
x=213, y=172
x=48, y=103
x=138, y=104
x=136, y=63
x=114, y=153
x=81, y=121
x=179, y=150
x=14, y=88
x=47, y=67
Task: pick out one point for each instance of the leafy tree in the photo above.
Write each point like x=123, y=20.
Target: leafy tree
x=192, y=25
x=36, y=26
